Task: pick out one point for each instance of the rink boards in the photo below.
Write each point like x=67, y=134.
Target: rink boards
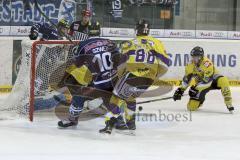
x=224, y=53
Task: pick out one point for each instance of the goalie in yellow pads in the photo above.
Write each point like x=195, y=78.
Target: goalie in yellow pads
x=205, y=77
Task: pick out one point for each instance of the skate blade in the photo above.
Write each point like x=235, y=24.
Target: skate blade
x=126, y=132
x=106, y=133
x=231, y=112
x=70, y=127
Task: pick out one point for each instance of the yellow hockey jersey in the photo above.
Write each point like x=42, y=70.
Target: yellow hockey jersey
x=203, y=73
x=146, y=56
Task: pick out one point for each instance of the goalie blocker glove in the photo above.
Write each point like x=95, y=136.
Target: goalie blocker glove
x=178, y=94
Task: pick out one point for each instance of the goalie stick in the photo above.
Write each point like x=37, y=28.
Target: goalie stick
x=48, y=19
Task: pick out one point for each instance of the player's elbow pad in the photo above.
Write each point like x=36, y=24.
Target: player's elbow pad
x=82, y=75
x=71, y=68
x=185, y=82
x=206, y=79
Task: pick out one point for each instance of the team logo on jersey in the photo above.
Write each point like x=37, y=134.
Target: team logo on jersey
x=95, y=44
x=207, y=64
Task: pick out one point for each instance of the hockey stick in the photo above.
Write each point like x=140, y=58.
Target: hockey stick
x=48, y=19
x=160, y=99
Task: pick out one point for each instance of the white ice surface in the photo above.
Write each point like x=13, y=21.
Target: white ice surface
x=213, y=134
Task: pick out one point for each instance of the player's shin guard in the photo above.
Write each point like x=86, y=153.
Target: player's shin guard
x=226, y=92
x=131, y=115
x=193, y=105
x=109, y=126
x=131, y=122
x=120, y=123
x=122, y=127
x=74, y=111
x=113, y=119
x=72, y=119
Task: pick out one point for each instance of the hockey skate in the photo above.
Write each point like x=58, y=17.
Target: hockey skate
x=117, y=123
x=230, y=108
x=109, y=126
x=122, y=127
x=120, y=123
x=131, y=123
x=68, y=123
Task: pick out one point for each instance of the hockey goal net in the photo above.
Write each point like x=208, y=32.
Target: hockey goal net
x=39, y=60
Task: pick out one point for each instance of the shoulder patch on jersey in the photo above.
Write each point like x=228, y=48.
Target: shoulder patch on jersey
x=135, y=41
x=151, y=43
x=207, y=64
x=125, y=44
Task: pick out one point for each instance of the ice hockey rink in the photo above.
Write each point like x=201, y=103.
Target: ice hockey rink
x=211, y=133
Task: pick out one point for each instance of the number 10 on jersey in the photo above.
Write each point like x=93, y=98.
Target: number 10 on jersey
x=104, y=61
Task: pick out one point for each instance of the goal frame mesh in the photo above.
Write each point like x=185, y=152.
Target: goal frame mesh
x=33, y=68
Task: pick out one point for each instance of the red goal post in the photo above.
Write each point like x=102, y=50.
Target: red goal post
x=40, y=59
x=33, y=66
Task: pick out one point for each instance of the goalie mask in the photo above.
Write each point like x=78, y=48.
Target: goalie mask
x=142, y=28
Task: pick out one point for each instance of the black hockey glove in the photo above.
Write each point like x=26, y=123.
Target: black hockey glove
x=178, y=94
x=33, y=35
x=193, y=92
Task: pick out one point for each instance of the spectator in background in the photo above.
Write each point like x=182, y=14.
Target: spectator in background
x=44, y=31
x=80, y=30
